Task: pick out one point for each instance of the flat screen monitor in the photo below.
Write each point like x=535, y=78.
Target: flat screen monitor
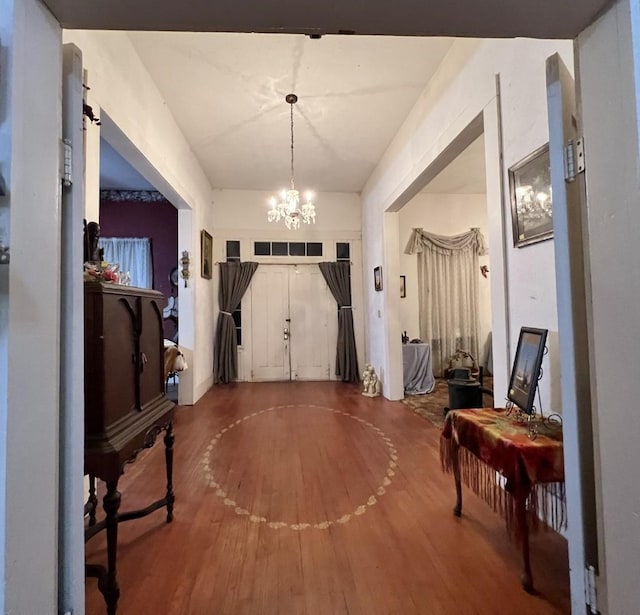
x=526, y=367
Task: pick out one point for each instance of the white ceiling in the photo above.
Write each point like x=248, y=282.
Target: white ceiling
x=464, y=175
x=226, y=90
x=116, y=173
x=227, y=94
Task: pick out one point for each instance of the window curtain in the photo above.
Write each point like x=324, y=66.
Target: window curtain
x=234, y=281
x=338, y=278
x=132, y=254
x=448, y=269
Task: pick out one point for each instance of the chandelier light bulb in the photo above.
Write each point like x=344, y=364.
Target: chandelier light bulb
x=288, y=207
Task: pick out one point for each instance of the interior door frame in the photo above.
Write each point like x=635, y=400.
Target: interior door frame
x=71, y=473
x=573, y=299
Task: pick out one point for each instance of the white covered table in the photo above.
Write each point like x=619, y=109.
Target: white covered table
x=416, y=367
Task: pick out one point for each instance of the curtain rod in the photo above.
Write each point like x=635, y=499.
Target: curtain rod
x=281, y=264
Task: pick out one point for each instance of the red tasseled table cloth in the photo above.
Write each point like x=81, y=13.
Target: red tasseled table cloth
x=475, y=444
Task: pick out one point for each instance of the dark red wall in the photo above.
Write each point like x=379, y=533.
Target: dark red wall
x=159, y=222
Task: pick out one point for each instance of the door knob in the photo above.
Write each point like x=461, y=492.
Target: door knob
x=286, y=334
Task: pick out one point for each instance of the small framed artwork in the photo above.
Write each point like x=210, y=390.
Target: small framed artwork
x=206, y=247
x=377, y=278
x=403, y=287
x=531, y=202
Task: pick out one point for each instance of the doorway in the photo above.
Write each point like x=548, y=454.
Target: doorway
x=449, y=204
x=292, y=311
x=152, y=209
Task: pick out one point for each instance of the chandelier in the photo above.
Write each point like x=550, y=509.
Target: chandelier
x=288, y=207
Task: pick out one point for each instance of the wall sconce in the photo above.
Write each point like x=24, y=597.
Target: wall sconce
x=184, y=270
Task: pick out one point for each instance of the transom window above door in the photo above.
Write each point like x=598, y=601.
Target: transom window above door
x=287, y=248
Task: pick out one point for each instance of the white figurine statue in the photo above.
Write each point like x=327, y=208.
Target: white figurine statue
x=370, y=382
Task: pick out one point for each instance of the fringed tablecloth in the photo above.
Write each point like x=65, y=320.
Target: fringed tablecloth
x=489, y=441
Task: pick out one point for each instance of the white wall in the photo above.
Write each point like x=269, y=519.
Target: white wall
x=139, y=125
x=443, y=214
x=247, y=209
x=463, y=87
x=242, y=215
x=31, y=82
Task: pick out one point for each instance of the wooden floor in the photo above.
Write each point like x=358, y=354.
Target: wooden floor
x=308, y=498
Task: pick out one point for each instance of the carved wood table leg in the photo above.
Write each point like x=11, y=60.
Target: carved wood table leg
x=457, y=509
x=111, y=504
x=526, y=577
x=168, y=452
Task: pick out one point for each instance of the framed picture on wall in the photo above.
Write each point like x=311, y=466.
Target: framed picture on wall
x=377, y=278
x=206, y=251
x=531, y=202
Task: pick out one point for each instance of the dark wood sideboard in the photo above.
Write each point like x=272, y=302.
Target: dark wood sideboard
x=125, y=407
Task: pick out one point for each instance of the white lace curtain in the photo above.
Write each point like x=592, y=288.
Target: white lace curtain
x=132, y=254
x=448, y=269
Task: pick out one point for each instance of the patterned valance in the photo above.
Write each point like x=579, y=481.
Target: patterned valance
x=421, y=239
x=141, y=196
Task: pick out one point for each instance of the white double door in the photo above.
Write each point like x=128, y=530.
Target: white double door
x=293, y=324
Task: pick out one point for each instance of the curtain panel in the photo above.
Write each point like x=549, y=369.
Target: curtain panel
x=448, y=269
x=132, y=254
x=338, y=277
x=235, y=278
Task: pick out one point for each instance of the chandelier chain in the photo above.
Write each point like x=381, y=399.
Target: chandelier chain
x=288, y=208
x=291, y=107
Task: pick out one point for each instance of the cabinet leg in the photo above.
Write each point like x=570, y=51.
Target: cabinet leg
x=111, y=504
x=168, y=453
x=457, y=509
x=93, y=500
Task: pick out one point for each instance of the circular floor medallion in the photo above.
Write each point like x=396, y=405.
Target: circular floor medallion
x=372, y=500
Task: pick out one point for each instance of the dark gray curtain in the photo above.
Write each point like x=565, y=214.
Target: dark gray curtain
x=337, y=276
x=234, y=281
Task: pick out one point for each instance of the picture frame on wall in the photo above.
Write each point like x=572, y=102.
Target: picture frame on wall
x=531, y=198
x=377, y=278
x=403, y=287
x=206, y=252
